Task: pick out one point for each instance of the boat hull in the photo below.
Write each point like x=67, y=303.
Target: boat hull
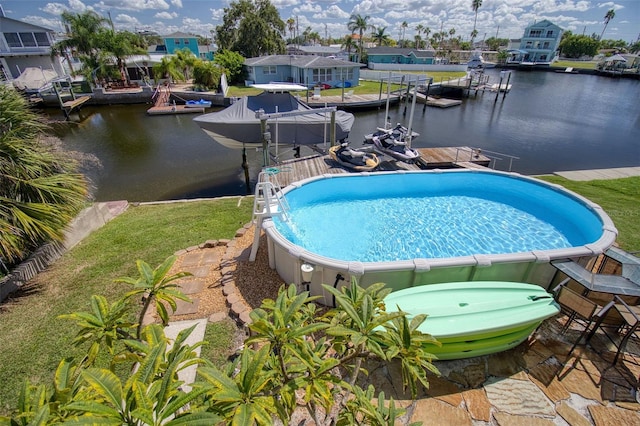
x=369, y=163
x=475, y=318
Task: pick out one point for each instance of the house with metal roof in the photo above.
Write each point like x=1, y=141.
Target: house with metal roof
x=306, y=70
x=24, y=45
x=179, y=40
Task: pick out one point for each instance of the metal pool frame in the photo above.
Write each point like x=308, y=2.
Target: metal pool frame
x=528, y=267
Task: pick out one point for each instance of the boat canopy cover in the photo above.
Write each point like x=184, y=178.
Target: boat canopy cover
x=34, y=78
x=240, y=123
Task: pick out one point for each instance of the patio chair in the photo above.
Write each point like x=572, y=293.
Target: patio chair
x=576, y=307
x=619, y=322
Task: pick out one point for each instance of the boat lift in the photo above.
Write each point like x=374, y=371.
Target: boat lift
x=266, y=135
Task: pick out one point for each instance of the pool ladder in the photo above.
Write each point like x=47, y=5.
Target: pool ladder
x=268, y=202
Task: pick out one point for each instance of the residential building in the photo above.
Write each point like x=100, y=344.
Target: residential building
x=24, y=45
x=306, y=70
x=539, y=44
x=178, y=41
x=397, y=55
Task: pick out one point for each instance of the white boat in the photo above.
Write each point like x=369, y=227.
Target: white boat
x=399, y=133
x=387, y=144
x=477, y=61
x=238, y=125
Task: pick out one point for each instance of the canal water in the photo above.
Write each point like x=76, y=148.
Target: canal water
x=550, y=121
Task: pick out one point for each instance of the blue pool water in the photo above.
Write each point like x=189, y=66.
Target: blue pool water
x=392, y=217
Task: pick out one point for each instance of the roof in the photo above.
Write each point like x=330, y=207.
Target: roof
x=179, y=34
x=317, y=49
x=542, y=24
x=300, y=61
x=9, y=25
x=386, y=50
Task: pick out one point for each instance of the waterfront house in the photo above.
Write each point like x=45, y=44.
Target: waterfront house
x=539, y=44
x=24, y=45
x=306, y=70
x=179, y=40
x=399, y=56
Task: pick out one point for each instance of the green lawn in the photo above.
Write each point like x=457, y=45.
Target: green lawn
x=33, y=339
x=587, y=65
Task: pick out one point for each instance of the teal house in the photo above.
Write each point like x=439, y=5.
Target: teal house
x=178, y=41
x=396, y=55
x=539, y=44
x=306, y=70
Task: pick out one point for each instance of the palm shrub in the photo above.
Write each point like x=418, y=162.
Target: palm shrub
x=297, y=356
x=40, y=191
x=206, y=75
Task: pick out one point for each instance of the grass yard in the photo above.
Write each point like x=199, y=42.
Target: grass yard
x=586, y=65
x=34, y=340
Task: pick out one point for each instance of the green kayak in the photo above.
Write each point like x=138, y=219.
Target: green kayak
x=477, y=317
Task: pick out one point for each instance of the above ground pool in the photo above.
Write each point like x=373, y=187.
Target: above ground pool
x=414, y=228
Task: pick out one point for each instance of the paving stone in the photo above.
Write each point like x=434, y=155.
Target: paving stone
x=572, y=416
x=551, y=386
x=519, y=397
x=209, y=258
x=223, y=242
x=245, y=318
x=184, y=308
x=227, y=270
x=613, y=392
x=240, y=232
x=218, y=316
x=229, y=288
x=180, y=252
x=192, y=248
x=210, y=243
x=608, y=416
x=633, y=406
x=191, y=259
x=477, y=404
x=444, y=390
x=233, y=298
x=432, y=412
x=198, y=271
x=472, y=376
x=239, y=307
x=504, y=364
x=506, y=419
x=577, y=381
x=191, y=286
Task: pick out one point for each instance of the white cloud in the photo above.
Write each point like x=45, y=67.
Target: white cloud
x=132, y=4
x=126, y=21
x=217, y=14
x=332, y=12
x=49, y=23
x=177, y=3
x=165, y=15
x=54, y=8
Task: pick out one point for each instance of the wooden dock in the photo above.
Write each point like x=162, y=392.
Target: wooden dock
x=173, y=109
x=290, y=171
x=437, y=101
x=351, y=102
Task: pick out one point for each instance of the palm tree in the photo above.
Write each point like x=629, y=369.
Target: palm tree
x=381, y=37
x=475, y=5
x=608, y=17
x=40, y=191
x=419, y=30
x=427, y=31
x=348, y=44
x=404, y=26
x=361, y=24
x=83, y=32
x=291, y=25
x=121, y=45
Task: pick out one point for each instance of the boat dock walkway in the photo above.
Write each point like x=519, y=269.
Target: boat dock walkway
x=163, y=106
x=351, y=101
x=294, y=170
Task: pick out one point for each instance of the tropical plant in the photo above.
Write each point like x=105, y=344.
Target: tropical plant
x=404, y=26
x=206, y=75
x=232, y=63
x=348, y=44
x=322, y=355
x=360, y=24
x=611, y=13
x=575, y=46
x=381, y=37
x=40, y=191
x=121, y=45
x=168, y=68
x=475, y=5
x=291, y=26
x=155, y=287
x=252, y=28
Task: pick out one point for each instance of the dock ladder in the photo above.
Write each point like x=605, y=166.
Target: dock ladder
x=268, y=202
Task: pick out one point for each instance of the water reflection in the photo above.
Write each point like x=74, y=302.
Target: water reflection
x=551, y=121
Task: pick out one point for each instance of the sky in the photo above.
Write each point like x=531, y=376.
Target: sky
x=501, y=18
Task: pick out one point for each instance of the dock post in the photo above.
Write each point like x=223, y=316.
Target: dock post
x=266, y=136
x=426, y=96
x=332, y=129
x=499, y=86
x=245, y=167
x=506, y=89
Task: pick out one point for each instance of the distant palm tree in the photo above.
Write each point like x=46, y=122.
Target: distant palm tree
x=475, y=5
x=404, y=26
x=427, y=31
x=348, y=44
x=381, y=37
x=608, y=17
x=419, y=30
x=291, y=25
x=82, y=36
x=361, y=24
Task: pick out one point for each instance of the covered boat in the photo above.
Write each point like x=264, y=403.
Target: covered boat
x=354, y=159
x=475, y=318
x=238, y=126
